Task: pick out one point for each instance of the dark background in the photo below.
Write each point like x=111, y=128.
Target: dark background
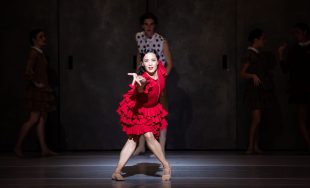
x=206, y=111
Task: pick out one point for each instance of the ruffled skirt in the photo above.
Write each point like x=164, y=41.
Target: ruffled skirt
x=137, y=120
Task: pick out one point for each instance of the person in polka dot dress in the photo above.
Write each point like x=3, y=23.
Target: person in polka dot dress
x=150, y=41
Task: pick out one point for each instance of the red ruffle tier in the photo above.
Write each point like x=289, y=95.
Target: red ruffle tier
x=136, y=119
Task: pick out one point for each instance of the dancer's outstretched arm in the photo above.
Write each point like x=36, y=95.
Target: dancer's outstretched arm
x=140, y=80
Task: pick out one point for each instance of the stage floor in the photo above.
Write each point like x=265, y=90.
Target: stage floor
x=190, y=169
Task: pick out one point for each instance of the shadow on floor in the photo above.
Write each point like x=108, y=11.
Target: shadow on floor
x=148, y=169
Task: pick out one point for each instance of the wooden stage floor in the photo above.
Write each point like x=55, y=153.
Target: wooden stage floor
x=190, y=169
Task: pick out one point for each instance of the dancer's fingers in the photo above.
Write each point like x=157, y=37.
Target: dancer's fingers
x=133, y=82
x=131, y=73
x=138, y=81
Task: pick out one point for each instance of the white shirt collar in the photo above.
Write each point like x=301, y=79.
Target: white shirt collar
x=148, y=37
x=38, y=49
x=304, y=43
x=253, y=49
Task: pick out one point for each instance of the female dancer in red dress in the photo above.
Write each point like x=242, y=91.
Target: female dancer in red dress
x=141, y=114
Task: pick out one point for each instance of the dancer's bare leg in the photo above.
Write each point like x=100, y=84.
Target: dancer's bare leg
x=256, y=118
x=33, y=118
x=45, y=151
x=256, y=144
x=141, y=146
x=125, y=154
x=155, y=147
x=162, y=139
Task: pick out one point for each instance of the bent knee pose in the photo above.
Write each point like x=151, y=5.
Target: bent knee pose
x=141, y=114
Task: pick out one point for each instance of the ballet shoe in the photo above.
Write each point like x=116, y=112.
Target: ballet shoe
x=166, y=173
x=117, y=177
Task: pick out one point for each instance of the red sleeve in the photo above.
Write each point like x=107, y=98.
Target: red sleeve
x=161, y=69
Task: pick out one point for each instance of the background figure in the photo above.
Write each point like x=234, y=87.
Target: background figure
x=258, y=86
x=39, y=96
x=141, y=114
x=296, y=62
x=149, y=41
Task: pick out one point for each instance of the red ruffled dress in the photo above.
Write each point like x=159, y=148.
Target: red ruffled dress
x=142, y=112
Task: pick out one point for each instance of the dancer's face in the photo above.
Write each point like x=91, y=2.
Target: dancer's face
x=150, y=63
x=149, y=27
x=40, y=40
x=260, y=42
x=299, y=35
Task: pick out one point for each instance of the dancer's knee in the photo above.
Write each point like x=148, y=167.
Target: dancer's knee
x=34, y=117
x=149, y=137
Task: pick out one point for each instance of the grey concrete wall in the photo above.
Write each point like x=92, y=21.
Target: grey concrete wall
x=206, y=109
x=99, y=35
x=201, y=93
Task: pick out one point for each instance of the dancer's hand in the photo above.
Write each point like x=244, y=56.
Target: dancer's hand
x=39, y=85
x=137, y=79
x=256, y=80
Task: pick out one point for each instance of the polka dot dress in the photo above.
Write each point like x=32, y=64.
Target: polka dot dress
x=155, y=43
